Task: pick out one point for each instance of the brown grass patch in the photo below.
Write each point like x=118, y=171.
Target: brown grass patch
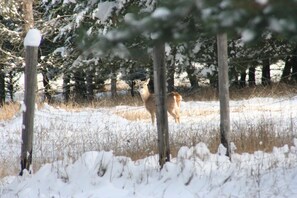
x=134, y=115
x=8, y=111
x=259, y=138
x=101, y=102
x=274, y=90
x=142, y=114
x=210, y=93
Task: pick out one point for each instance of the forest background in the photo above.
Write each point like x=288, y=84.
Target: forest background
x=86, y=43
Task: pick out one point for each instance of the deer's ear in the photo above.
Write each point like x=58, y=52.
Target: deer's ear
x=147, y=81
x=137, y=82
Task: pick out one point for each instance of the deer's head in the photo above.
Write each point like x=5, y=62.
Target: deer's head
x=142, y=86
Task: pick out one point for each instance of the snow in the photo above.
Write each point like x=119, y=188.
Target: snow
x=33, y=38
x=79, y=170
x=104, y=10
x=62, y=51
x=161, y=13
x=262, y=2
x=247, y=35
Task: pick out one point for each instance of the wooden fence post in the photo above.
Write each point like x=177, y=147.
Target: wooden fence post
x=224, y=90
x=31, y=43
x=161, y=97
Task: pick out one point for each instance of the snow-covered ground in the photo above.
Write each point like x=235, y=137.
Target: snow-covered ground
x=74, y=148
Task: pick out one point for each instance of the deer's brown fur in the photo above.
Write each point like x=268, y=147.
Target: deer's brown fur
x=173, y=101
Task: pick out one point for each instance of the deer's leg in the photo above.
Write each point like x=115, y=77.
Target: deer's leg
x=153, y=117
x=174, y=115
x=178, y=116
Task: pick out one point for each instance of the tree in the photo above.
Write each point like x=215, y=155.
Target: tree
x=224, y=91
x=31, y=57
x=10, y=47
x=28, y=15
x=2, y=85
x=290, y=72
x=158, y=55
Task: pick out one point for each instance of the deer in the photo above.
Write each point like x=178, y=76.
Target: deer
x=173, y=101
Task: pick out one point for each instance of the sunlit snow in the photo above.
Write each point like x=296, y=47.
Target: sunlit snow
x=33, y=38
x=195, y=172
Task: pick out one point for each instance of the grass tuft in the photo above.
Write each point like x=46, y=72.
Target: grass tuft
x=8, y=111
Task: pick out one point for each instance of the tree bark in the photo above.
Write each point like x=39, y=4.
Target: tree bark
x=192, y=77
x=252, y=76
x=113, y=86
x=171, y=72
x=2, y=86
x=266, y=79
x=10, y=85
x=46, y=86
x=161, y=97
x=28, y=15
x=294, y=69
x=79, y=86
x=90, y=83
x=242, y=81
x=66, y=87
x=28, y=114
x=285, y=78
x=224, y=91
x=290, y=69
x=31, y=56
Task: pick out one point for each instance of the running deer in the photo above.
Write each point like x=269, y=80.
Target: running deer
x=173, y=101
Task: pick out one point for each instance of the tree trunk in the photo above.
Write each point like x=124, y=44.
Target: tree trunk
x=90, y=83
x=242, y=81
x=46, y=85
x=252, y=76
x=28, y=15
x=192, y=77
x=224, y=91
x=28, y=115
x=132, y=85
x=170, y=80
x=171, y=72
x=113, y=85
x=2, y=87
x=10, y=85
x=266, y=79
x=234, y=77
x=66, y=87
x=161, y=97
x=290, y=69
x=294, y=69
x=286, y=71
x=79, y=86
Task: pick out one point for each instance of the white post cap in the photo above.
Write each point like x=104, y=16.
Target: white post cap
x=33, y=38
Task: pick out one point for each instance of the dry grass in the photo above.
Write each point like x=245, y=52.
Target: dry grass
x=8, y=111
x=102, y=102
x=201, y=94
x=274, y=90
x=244, y=144
x=247, y=138
x=261, y=137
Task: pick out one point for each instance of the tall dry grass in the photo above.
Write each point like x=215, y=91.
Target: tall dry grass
x=8, y=111
x=274, y=90
x=101, y=102
x=261, y=136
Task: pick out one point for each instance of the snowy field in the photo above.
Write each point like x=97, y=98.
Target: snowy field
x=75, y=150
